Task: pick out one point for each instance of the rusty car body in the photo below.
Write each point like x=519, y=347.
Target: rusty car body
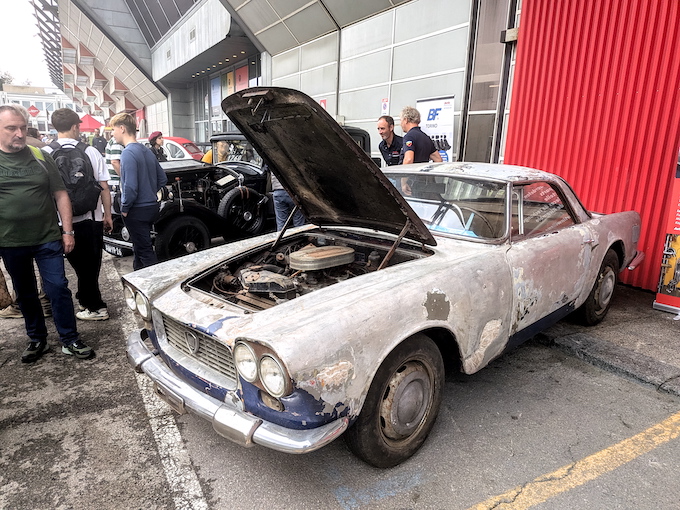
x=290, y=339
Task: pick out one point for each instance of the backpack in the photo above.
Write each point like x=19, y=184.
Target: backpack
x=77, y=173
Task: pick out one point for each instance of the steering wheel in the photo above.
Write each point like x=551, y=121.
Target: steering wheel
x=439, y=214
x=474, y=213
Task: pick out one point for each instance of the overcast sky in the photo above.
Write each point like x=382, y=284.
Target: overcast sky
x=22, y=55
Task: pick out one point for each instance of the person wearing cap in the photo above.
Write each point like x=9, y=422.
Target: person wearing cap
x=88, y=228
x=156, y=145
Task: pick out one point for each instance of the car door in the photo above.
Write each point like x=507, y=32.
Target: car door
x=549, y=257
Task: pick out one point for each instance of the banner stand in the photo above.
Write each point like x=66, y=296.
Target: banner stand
x=668, y=291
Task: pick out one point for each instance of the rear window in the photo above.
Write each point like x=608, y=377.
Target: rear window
x=192, y=148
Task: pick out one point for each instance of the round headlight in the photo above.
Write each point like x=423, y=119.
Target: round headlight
x=129, y=294
x=125, y=234
x=245, y=362
x=272, y=376
x=143, y=306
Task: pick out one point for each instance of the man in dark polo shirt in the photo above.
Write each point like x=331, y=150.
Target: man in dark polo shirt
x=418, y=147
x=391, y=144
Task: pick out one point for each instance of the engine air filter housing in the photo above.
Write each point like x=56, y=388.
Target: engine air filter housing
x=315, y=258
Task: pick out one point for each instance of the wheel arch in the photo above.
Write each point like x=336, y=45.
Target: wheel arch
x=445, y=341
x=620, y=250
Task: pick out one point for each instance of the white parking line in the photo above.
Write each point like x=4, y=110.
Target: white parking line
x=185, y=488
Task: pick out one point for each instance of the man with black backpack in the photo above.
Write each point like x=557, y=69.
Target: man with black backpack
x=85, y=176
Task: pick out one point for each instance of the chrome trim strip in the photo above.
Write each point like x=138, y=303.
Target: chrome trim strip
x=227, y=419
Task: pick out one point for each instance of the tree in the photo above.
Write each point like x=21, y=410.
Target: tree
x=5, y=77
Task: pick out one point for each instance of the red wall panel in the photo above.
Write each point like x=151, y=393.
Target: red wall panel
x=596, y=100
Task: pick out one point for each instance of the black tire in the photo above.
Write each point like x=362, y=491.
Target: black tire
x=241, y=208
x=401, y=406
x=181, y=236
x=596, y=306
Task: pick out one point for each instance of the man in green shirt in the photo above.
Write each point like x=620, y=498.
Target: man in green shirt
x=30, y=186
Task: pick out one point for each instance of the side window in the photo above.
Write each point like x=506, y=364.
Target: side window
x=174, y=151
x=538, y=209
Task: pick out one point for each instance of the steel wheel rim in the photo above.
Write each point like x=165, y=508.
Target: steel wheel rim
x=185, y=241
x=606, y=291
x=406, y=401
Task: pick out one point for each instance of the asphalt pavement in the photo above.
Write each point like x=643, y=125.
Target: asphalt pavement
x=634, y=340
x=63, y=430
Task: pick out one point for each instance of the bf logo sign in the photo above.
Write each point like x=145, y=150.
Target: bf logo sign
x=433, y=113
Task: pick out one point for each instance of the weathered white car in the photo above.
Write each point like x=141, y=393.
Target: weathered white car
x=289, y=340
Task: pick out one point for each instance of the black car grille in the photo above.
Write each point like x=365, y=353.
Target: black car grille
x=211, y=352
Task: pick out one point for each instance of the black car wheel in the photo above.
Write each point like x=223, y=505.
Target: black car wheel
x=242, y=209
x=181, y=236
x=599, y=300
x=401, y=405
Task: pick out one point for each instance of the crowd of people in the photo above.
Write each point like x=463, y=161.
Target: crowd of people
x=43, y=218
x=55, y=204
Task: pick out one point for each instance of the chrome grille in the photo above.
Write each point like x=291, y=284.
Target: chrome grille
x=212, y=353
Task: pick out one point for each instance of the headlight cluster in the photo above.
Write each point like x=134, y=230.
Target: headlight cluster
x=263, y=369
x=137, y=302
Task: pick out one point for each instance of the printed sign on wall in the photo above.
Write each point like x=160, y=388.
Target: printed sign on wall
x=668, y=294
x=242, y=78
x=436, y=121
x=215, y=97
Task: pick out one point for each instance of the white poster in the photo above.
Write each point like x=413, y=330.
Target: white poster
x=436, y=121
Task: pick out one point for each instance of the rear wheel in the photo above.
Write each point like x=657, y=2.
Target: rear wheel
x=181, y=236
x=599, y=300
x=401, y=405
x=242, y=209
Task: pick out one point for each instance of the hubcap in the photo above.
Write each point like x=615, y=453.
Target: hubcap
x=606, y=288
x=405, y=401
x=190, y=247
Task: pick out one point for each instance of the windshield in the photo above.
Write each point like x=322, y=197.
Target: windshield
x=235, y=150
x=455, y=205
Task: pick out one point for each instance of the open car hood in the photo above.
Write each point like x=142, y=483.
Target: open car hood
x=326, y=173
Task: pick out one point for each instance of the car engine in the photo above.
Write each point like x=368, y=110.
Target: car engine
x=291, y=270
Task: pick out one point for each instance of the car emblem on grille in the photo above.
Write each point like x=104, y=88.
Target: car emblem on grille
x=192, y=342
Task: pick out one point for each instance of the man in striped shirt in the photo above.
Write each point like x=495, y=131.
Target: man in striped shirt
x=113, y=151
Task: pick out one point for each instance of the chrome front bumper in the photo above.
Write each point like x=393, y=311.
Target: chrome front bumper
x=227, y=418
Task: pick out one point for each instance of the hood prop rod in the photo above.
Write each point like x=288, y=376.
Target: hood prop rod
x=285, y=227
x=394, y=245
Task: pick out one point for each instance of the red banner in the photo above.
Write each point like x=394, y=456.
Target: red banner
x=668, y=293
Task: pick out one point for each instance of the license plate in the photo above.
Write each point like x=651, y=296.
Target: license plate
x=113, y=250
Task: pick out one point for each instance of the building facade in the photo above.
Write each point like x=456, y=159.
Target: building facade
x=173, y=61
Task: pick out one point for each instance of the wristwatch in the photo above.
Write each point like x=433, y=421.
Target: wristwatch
x=68, y=233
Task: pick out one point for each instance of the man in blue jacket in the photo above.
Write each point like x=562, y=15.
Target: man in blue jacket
x=141, y=178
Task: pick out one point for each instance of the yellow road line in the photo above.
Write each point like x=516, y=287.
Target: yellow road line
x=573, y=475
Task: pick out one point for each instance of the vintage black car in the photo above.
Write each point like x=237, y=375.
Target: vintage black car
x=226, y=195
x=201, y=201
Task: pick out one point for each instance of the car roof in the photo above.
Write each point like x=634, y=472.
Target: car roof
x=486, y=171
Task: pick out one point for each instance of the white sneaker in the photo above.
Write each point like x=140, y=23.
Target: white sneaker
x=99, y=315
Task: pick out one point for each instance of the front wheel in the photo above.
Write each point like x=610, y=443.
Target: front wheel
x=181, y=236
x=244, y=211
x=596, y=306
x=401, y=406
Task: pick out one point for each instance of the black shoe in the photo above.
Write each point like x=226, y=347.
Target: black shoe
x=79, y=350
x=34, y=350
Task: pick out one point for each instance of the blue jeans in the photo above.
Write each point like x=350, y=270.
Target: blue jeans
x=50, y=260
x=283, y=205
x=139, y=221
